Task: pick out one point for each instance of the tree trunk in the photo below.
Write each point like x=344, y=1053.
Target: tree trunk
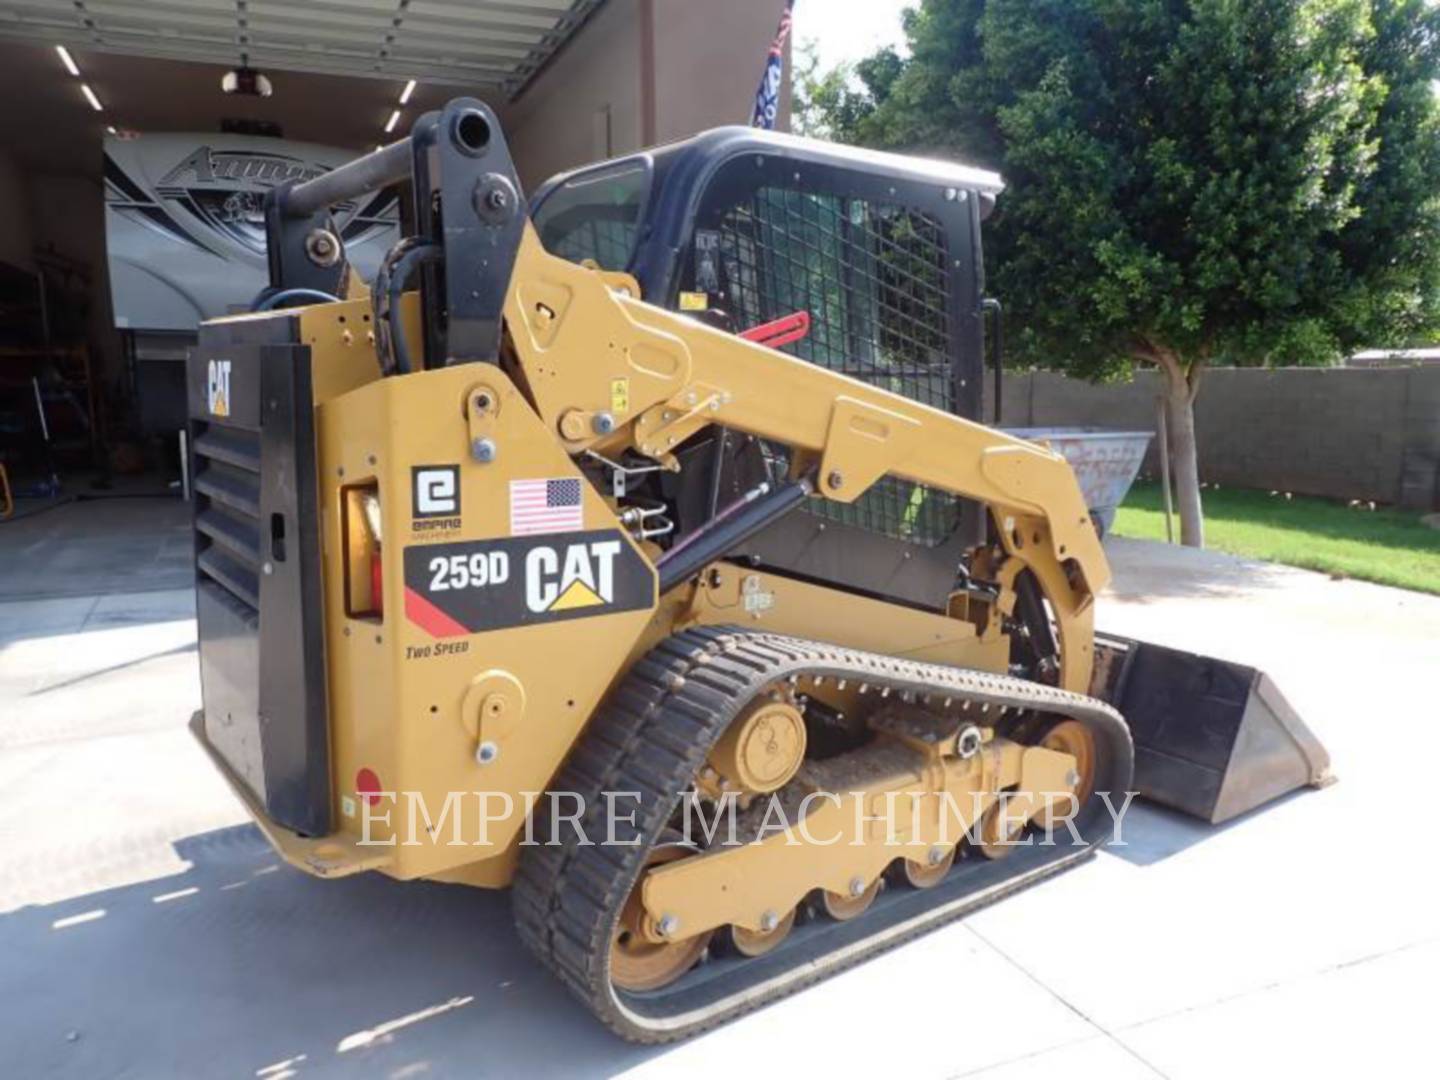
x=1180, y=389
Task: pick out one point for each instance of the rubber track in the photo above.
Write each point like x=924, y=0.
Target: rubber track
x=652, y=736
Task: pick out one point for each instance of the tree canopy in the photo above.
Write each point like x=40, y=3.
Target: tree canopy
x=1247, y=180
x=1189, y=181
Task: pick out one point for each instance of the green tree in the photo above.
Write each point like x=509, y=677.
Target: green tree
x=1190, y=182
x=823, y=105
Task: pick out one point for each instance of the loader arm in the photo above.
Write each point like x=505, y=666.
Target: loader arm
x=586, y=343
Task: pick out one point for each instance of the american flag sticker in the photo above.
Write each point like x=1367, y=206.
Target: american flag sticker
x=545, y=506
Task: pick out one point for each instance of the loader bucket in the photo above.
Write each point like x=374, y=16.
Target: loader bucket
x=1212, y=738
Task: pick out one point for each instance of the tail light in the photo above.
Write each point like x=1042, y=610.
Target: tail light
x=364, y=592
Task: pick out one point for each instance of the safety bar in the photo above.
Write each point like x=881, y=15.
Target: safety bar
x=467, y=209
x=377, y=169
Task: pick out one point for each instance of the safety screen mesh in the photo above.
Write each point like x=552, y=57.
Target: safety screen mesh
x=875, y=279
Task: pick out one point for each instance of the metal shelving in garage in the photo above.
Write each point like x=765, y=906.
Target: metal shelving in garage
x=486, y=43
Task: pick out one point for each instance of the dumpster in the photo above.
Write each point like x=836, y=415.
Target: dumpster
x=1106, y=463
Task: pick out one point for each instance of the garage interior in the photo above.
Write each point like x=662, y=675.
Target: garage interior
x=89, y=407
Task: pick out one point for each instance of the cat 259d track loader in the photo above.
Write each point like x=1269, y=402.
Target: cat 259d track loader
x=663, y=498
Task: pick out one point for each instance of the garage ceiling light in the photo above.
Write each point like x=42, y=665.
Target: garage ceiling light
x=394, y=119
x=405, y=94
x=493, y=46
x=67, y=60
x=247, y=82
x=90, y=97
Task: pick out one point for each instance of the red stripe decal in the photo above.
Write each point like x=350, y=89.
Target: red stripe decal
x=430, y=618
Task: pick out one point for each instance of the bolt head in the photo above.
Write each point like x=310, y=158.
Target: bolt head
x=486, y=752
x=769, y=921
x=835, y=480
x=483, y=450
x=668, y=925
x=495, y=198
x=323, y=248
x=603, y=423
x=857, y=887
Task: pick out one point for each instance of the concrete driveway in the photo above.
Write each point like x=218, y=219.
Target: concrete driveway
x=147, y=930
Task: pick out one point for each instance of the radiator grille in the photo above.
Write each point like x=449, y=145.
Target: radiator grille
x=227, y=511
x=875, y=278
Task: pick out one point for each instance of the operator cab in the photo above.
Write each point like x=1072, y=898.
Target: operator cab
x=880, y=256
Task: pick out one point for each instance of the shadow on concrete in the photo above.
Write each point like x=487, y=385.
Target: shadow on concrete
x=242, y=966
x=69, y=616
x=1153, y=833
x=92, y=547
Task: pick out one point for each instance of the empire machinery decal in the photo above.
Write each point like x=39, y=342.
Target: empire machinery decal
x=434, y=501
x=466, y=588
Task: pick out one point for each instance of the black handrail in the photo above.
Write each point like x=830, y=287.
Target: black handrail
x=992, y=307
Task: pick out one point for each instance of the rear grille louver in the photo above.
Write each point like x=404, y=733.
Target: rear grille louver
x=258, y=598
x=227, y=511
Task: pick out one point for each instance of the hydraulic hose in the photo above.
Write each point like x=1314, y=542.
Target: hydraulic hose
x=284, y=296
x=399, y=264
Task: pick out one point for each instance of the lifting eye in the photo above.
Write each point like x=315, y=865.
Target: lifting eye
x=472, y=132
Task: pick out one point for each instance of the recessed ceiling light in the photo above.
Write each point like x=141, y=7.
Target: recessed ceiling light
x=110, y=129
x=394, y=119
x=405, y=94
x=247, y=82
x=67, y=60
x=90, y=97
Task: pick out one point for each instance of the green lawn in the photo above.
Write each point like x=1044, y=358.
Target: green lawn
x=1391, y=547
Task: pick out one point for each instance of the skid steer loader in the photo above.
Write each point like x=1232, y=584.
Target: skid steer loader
x=662, y=498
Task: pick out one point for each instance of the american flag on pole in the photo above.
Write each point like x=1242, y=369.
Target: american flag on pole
x=767, y=99
x=545, y=506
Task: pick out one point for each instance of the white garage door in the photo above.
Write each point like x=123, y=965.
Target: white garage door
x=498, y=43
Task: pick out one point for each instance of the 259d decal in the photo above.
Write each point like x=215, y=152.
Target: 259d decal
x=478, y=585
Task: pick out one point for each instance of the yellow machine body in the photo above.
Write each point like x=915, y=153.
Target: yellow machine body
x=411, y=707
